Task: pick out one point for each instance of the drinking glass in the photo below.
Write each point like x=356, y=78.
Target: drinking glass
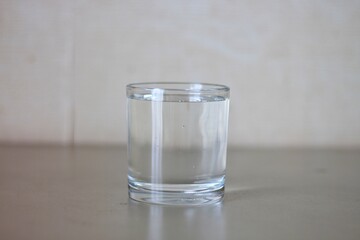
x=177, y=141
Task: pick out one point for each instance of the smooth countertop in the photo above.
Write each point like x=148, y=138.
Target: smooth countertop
x=81, y=193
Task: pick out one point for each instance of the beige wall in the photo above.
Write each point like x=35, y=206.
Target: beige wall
x=293, y=66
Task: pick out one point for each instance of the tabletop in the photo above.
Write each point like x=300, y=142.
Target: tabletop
x=49, y=192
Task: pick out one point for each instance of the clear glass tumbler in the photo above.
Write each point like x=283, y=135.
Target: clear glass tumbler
x=177, y=141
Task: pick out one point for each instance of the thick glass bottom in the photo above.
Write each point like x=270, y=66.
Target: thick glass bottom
x=177, y=194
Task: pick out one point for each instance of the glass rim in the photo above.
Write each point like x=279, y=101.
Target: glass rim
x=183, y=87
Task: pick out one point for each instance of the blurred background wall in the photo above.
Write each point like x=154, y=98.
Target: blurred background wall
x=293, y=66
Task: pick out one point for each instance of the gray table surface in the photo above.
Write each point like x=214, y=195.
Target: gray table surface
x=81, y=193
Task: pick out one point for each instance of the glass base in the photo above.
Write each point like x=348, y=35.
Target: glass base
x=177, y=194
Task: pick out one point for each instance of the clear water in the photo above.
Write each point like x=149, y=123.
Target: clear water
x=178, y=145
